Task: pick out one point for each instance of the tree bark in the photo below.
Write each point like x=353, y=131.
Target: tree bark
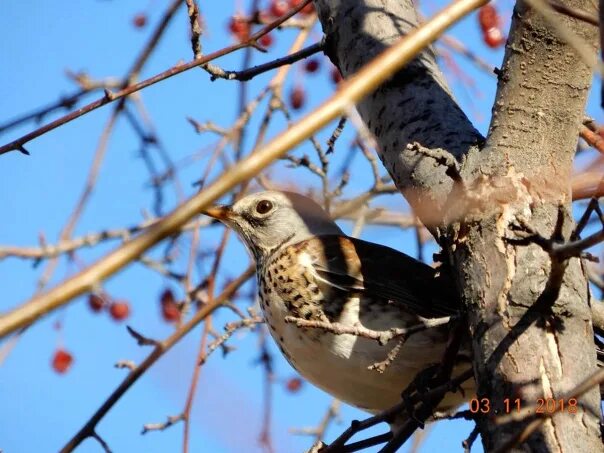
x=529, y=315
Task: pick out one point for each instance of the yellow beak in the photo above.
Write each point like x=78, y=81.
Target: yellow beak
x=219, y=212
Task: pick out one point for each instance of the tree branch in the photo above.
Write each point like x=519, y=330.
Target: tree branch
x=162, y=347
x=359, y=86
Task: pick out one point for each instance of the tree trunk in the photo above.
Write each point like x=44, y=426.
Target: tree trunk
x=529, y=315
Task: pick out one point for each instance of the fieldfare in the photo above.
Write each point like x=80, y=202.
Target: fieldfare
x=340, y=289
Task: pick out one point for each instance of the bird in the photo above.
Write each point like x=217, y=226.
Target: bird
x=321, y=290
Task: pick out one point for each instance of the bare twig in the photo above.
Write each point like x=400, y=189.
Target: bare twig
x=194, y=22
x=109, y=97
x=162, y=347
x=230, y=329
x=171, y=420
x=249, y=74
x=129, y=364
x=382, y=337
x=140, y=339
x=400, y=408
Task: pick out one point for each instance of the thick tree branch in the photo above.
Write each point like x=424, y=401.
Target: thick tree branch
x=529, y=319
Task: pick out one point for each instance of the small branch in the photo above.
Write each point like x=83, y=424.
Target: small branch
x=442, y=157
x=382, y=337
x=140, y=339
x=380, y=367
x=250, y=73
x=230, y=329
x=175, y=70
x=559, y=251
x=88, y=429
x=173, y=419
x=400, y=408
x=101, y=441
x=469, y=442
x=592, y=138
x=125, y=364
x=194, y=18
x=46, y=251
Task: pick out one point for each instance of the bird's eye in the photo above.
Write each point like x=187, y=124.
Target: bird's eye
x=264, y=206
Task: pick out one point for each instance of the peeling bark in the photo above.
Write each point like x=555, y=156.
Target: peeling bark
x=529, y=316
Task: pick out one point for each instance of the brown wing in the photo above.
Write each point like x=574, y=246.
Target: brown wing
x=377, y=271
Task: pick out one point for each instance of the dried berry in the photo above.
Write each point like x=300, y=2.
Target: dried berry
x=312, y=65
x=488, y=17
x=278, y=8
x=96, y=302
x=493, y=37
x=293, y=385
x=336, y=76
x=169, y=307
x=297, y=97
x=140, y=20
x=266, y=40
x=61, y=361
x=239, y=27
x=119, y=310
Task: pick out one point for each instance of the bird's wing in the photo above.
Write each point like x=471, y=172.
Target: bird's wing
x=377, y=271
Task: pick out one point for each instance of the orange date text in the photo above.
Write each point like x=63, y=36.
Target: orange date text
x=508, y=405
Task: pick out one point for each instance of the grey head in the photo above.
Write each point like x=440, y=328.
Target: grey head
x=267, y=221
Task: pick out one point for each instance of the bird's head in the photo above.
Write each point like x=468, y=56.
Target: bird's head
x=267, y=221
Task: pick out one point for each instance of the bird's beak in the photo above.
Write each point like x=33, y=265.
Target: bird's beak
x=219, y=212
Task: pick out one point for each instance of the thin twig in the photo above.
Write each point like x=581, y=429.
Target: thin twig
x=162, y=347
x=109, y=96
x=382, y=337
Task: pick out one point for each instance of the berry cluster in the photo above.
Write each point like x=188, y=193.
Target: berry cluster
x=297, y=96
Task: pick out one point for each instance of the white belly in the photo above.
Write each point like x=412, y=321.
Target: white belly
x=339, y=364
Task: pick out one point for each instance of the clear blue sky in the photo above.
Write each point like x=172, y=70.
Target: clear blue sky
x=42, y=410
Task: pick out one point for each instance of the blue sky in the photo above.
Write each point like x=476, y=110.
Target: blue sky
x=42, y=410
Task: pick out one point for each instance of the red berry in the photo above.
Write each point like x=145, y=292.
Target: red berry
x=140, y=20
x=266, y=40
x=308, y=9
x=297, y=98
x=61, y=361
x=239, y=27
x=336, y=76
x=119, y=310
x=488, y=17
x=169, y=307
x=312, y=65
x=278, y=8
x=293, y=385
x=493, y=37
x=96, y=302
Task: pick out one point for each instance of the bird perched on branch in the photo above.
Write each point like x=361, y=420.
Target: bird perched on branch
x=357, y=319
